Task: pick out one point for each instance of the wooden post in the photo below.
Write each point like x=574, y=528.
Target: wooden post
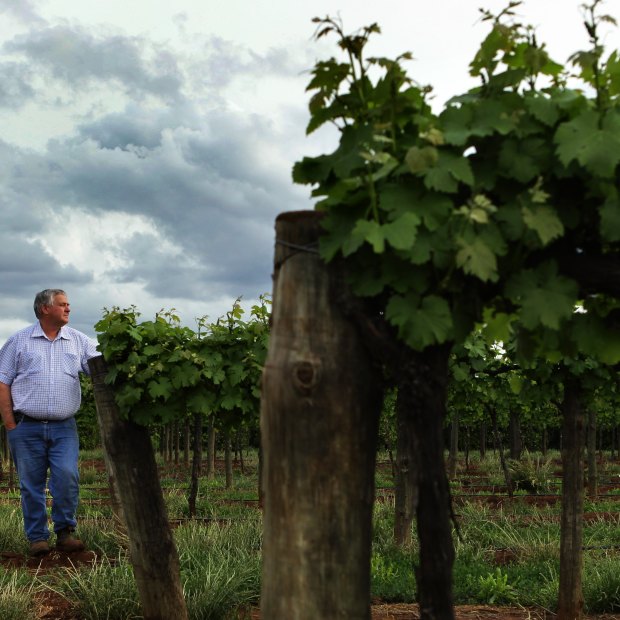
x=570, y=600
x=406, y=478
x=186, y=441
x=425, y=375
x=211, y=449
x=514, y=434
x=228, y=465
x=131, y=465
x=196, y=465
x=591, y=443
x=319, y=418
x=453, y=456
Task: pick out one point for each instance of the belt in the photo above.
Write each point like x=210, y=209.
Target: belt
x=22, y=417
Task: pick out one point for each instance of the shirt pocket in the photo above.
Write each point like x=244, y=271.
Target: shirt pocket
x=31, y=363
x=71, y=364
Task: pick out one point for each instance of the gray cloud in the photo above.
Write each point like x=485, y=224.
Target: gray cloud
x=27, y=265
x=133, y=128
x=222, y=62
x=214, y=191
x=79, y=58
x=23, y=11
x=15, y=87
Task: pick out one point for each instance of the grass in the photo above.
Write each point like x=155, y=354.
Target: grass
x=105, y=591
x=16, y=595
x=12, y=537
x=90, y=475
x=220, y=567
x=221, y=560
x=101, y=535
x=220, y=573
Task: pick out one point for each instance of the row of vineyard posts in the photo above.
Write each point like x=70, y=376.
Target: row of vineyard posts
x=487, y=231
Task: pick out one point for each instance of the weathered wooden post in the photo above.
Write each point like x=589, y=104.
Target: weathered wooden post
x=131, y=466
x=406, y=478
x=319, y=414
x=570, y=596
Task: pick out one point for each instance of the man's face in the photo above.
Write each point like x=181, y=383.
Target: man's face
x=58, y=312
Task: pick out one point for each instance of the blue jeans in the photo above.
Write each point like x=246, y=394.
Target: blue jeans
x=37, y=447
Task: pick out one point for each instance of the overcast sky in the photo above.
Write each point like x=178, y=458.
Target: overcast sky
x=146, y=146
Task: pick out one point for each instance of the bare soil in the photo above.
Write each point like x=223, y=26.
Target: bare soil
x=472, y=612
x=462, y=612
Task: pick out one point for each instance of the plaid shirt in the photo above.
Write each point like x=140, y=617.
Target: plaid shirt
x=44, y=374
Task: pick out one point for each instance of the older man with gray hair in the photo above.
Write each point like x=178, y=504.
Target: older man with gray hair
x=39, y=396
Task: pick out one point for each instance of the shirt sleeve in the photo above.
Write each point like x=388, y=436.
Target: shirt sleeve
x=89, y=350
x=8, y=366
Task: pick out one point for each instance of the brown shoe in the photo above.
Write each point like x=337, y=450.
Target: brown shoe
x=67, y=542
x=39, y=548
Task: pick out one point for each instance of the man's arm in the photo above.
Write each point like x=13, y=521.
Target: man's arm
x=6, y=407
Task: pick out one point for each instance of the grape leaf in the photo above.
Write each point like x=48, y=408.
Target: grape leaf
x=593, y=142
x=402, y=232
x=477, y=259
x=546, y=298
x=610, y=219
x=161, y=388
x=449, y=169
x=596, y=339
x=542, y=108
x=364, y=230
x=420, y=323
x=544, y=221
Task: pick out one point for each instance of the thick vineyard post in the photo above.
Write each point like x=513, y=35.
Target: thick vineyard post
x=570, y=602
x=424, y=383
x=131, y=464
x=319, y=418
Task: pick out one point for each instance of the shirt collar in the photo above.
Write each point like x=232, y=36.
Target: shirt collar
x=38, y=332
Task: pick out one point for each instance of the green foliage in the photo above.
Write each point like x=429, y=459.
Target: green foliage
x=494, y=588
x=443, y=219
x=86, y=417
x=163, y=371
x=601, y=588
x=531, y=473
x=392, y=577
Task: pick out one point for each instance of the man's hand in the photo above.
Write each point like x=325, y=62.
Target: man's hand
x=6, y=407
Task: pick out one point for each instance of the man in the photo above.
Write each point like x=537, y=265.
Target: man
x=39, y=396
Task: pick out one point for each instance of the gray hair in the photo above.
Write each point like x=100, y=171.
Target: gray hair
x=45, y=298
